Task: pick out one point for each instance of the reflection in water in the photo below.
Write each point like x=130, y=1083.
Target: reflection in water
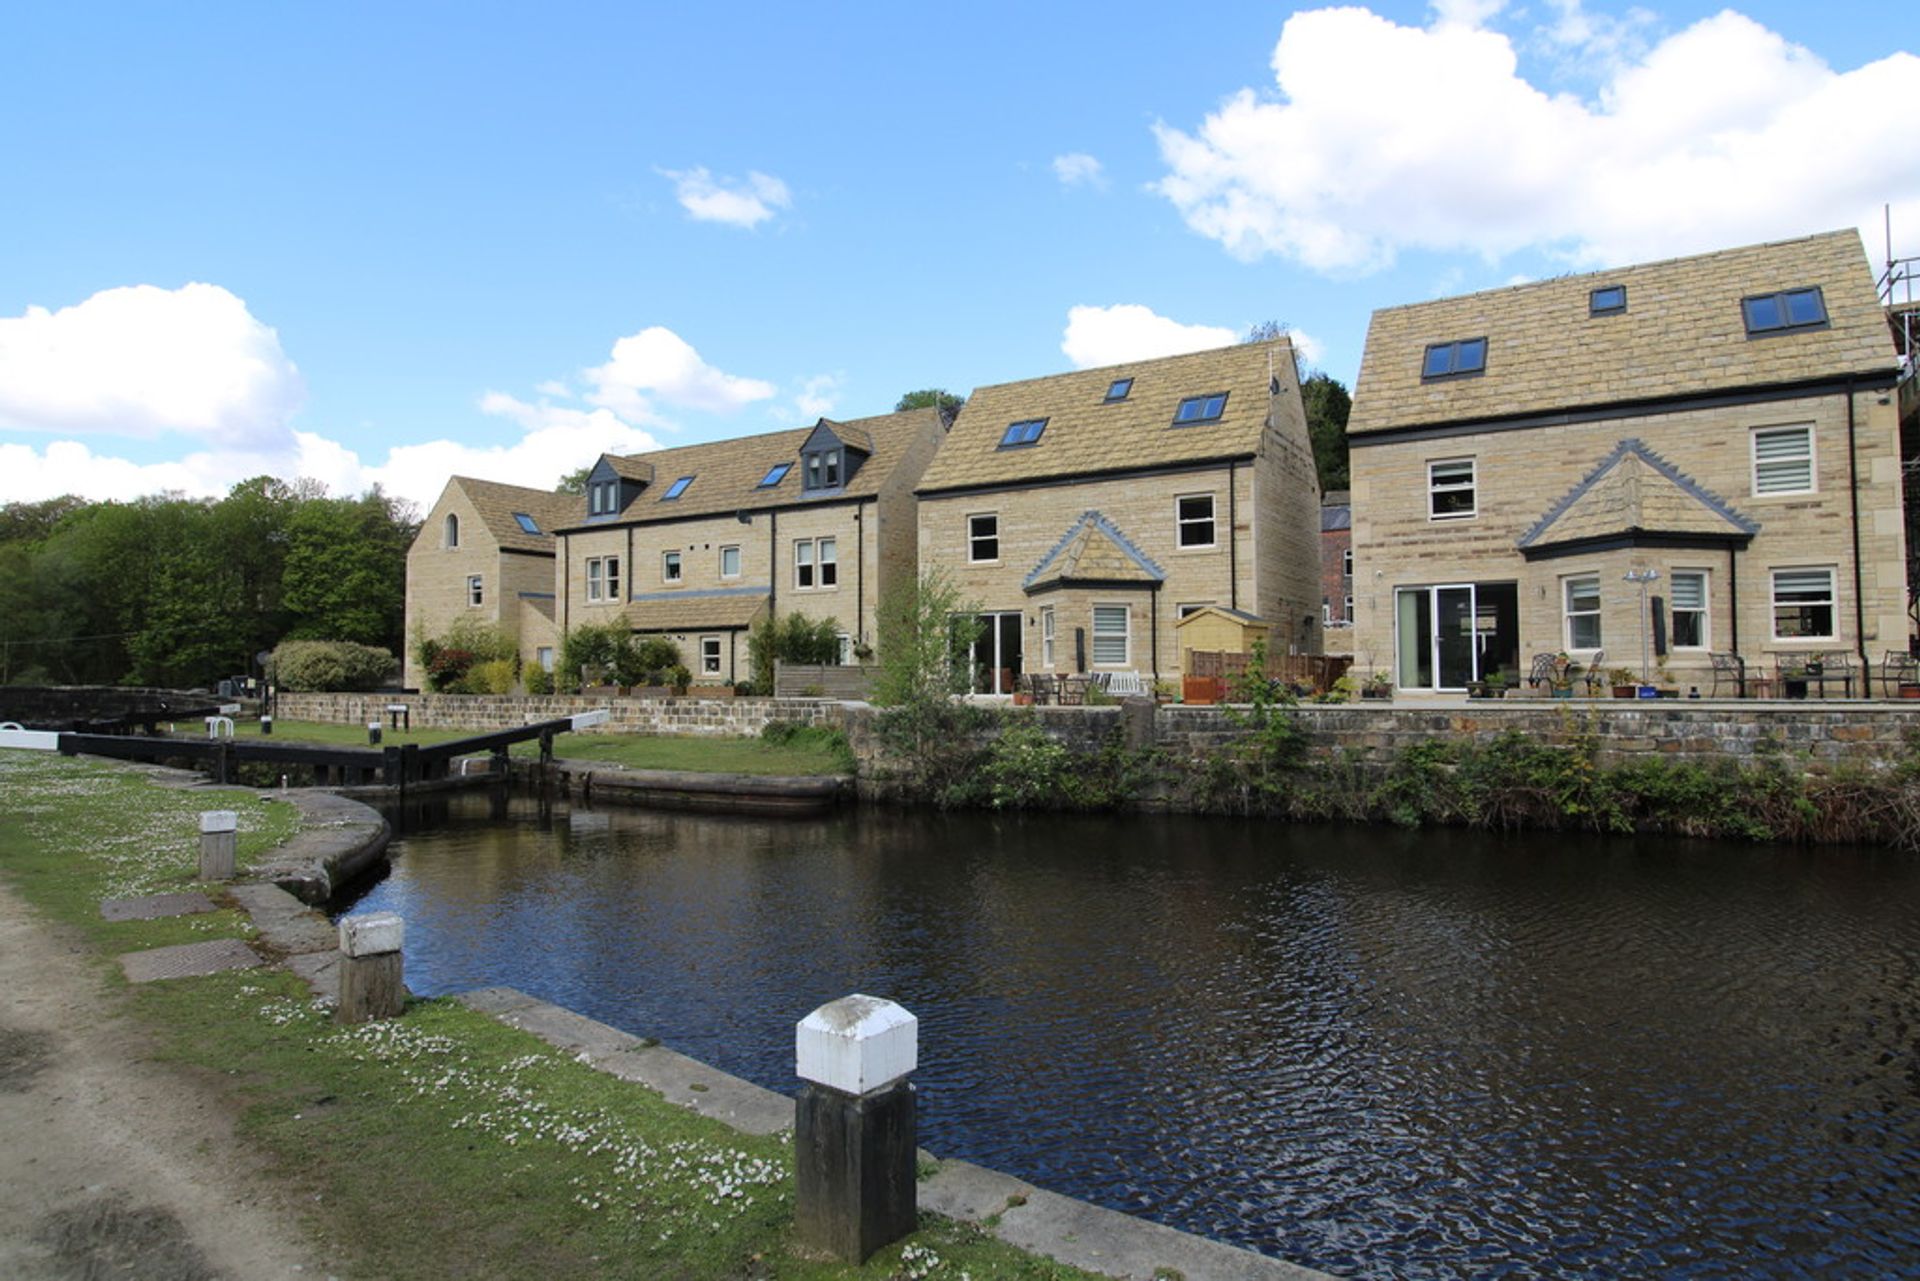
x=1379, y=1053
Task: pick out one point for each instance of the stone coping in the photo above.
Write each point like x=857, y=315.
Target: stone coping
x=339, y=838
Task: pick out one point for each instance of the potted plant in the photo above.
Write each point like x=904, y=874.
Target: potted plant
x=1625, y=683
x=1378, y=686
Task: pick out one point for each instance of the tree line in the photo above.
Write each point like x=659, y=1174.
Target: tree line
x=180, y=592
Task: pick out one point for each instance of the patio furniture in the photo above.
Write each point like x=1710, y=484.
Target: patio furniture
x=1073, y=690
x=1896, y=669
x=1125, y=684
x=1729, y=668
x=1596, y=673
x=1802, y=674
x=1043, y=687
x=1544, y=670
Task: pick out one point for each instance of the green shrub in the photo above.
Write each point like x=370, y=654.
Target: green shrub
x=598, y=645
x=448, y=657
x=494, y=676
x=539, y=681
x=791, y=638
x=327, y=666
x=646, y=660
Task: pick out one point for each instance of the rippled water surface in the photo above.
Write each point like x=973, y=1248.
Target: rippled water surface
x=1378, y=1053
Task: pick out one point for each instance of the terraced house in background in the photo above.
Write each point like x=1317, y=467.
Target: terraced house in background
x=700, y=542
x=1087, y=512
x=1688, y=457
x=486, y=552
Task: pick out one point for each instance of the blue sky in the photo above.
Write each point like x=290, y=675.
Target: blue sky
x=389, y=243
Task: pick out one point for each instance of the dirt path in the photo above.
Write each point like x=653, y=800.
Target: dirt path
x=111, y=1165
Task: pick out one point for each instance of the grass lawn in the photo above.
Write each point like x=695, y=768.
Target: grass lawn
x=809, y=751
x=441, y=1143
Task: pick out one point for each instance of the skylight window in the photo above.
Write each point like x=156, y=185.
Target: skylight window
x=775, y=474
x=1119, y=389
x=676, y=489
x=527, y=522
x=1787, y=310
x=1455, y=359
x=1607, y=300
x=1200, y=409
x=1025, y=432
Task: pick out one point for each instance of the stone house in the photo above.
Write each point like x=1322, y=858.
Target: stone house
x=1336, y=570
x=1086, y=512
x=1723, y=428
x=700, y=542
x=485, y=552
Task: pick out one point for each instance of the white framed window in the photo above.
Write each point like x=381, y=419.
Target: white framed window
x=1687, y=609
x=669, y=567
x=1803, y=604
x=544, y=657
x=1783, y=460
x=803, y=563
x=730, y=561
x=983, y=538
x=827, y=551
x=1450, y=490
x=1348, y=611
x=709, y=655
x=1046, y=637
x=1193, y=520
x=1110, y=639
x=476, y=590
x=1346, y=562
x=450, y=531
x=1582, y=596
x=603, y=578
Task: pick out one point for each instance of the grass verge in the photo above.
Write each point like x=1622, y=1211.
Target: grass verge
x=442, y=1143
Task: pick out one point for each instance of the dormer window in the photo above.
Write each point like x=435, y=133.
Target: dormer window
x=528, y=525
x=603, y=498
x=676, y=489
x=1025, y=432
x=1608, y=300
x=1455, y=359
x=1783, y=312
x=1119, y=389
x=1200, y=409
x=823, y=469
x=775, y=474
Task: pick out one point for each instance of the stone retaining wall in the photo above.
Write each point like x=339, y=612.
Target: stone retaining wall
x=720, y=717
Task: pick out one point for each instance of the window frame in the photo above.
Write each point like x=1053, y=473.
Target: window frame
x=1029, y=431
x=673, y=566
x=1117, y=390
x=1781, y=299
x=975, y=538
x=1831, y=602
x=1347, y=611
x=1454, y=350
x=1805, y=430
x=803, y=577
x=1471, y=488
x=1048, y=626
x=826, y=560
x=450, y=532
x=1182, y=522
x=1597, y=308
x=528, y=525
x=1704, y=627
x=710, y=663
x=1095, y=635
x=775, y=474
x=676, y=489
x=737, y=562
x=1568, y=614
x=603, y=579
x=1212, y=408
x=476, y=590
x=1346, y=562
x=830, y=469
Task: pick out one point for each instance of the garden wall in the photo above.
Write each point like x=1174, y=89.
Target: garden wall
x=719, y=717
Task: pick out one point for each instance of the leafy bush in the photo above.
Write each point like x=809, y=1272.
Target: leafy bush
x=597, y=645
x=326, y=666
x=646, y=660
x=791, y=638
x=449, y=656
x=494, y=676
x=539, y=681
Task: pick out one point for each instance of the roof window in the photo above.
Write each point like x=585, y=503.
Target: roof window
x=527, y=523
x=1025, y=432
x=1787, y=310
x=1607, y=300
x=1118, y=389
x=775, y=474
x=676, y=489
x=1455, y=359
x=1200, y=409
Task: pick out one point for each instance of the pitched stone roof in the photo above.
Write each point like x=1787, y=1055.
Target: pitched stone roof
x=496, y=503
x=727, y=473
x=1682, y=332
x=1087, y=433
x=1636, y=491
x=1094, y=550
x=681, y=611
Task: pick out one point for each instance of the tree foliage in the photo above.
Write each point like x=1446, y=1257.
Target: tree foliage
x=938, y=398
x=790, y=638
x=574, y=482
x=1328, y=405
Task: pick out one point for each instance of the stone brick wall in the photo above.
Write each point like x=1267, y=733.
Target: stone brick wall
x=722, y=717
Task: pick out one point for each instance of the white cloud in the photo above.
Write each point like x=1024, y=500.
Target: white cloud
x=1311, y=349
x=1114, y=335
x=141, y=361
x=817, y=396
x=738, y=202
x=656, y=360
x=1078, y=169
x=1466, y=13
x=1386, y=138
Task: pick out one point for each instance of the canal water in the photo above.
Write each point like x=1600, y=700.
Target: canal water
x=1381, y=1053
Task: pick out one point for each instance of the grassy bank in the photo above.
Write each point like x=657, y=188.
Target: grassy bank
x=791, y=750
x=439, y=1144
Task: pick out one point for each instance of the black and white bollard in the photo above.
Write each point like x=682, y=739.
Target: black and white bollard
x=266, y=727
x=373, y=733
x=219, y=837
x=372, y=985
x=854, y=1127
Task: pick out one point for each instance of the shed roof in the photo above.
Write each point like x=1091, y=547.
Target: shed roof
x=683, y=611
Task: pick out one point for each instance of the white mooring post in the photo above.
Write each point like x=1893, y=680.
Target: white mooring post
x=219, y=837
x=371, y=981
x=854, y=1126
x=373, y=733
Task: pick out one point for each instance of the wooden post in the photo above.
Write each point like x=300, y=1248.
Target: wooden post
x=219, y=837
x=371, y=979
x=854, y=1127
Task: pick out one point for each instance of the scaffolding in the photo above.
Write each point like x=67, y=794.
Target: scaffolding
x=1899, y=285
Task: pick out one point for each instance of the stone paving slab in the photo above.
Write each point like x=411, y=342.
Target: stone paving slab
x=188, y=960
x=285, y=922
x=153, y=907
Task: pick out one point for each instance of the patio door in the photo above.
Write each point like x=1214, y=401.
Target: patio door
x=996, y=653
x=1437, y=636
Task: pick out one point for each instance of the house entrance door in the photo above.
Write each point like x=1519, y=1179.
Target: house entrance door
x=996, y=654
x=1449, y=635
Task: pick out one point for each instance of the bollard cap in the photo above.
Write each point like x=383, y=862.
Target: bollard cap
x=856, y=1044
x=219, y=821
x=371, y=933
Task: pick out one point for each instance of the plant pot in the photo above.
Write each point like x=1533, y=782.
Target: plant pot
x=1910, y=691
x=1626, y=691
x=1022, y=699
x=1386, y=695
x=1560, y=691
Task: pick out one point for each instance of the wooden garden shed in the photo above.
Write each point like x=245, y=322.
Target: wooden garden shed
x=1215, y=627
